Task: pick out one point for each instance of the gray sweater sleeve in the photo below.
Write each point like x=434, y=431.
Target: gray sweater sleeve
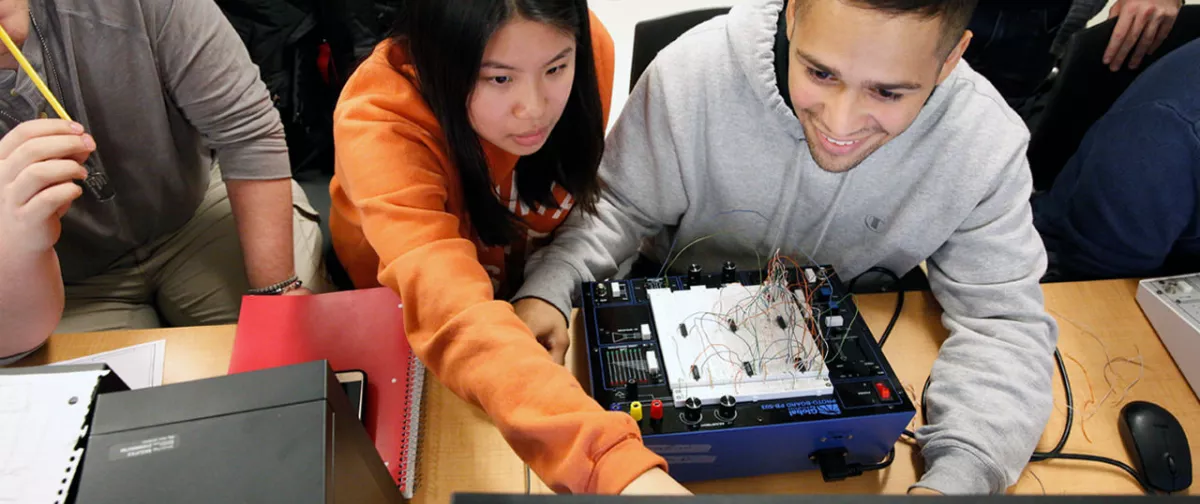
x=991, y=393
x=208, y=74
x=643, y=191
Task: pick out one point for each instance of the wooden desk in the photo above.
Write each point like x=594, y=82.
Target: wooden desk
x=463, y=452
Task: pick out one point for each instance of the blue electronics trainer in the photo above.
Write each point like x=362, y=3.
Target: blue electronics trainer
x=742, y=373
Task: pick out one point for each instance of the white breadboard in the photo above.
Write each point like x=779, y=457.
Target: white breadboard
x=1172, y=305
x=739, y=342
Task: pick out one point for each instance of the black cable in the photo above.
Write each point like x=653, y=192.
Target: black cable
x=1096, y=458
x=899, y=299
x=1062, y=441
x=887, y=461
x=1056, y=452
x=891, y=456
x=1053, y=453
x=832, y=462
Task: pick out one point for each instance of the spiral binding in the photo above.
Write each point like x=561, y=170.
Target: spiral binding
x=407, y=473
x=63, y=490
x=71, y=469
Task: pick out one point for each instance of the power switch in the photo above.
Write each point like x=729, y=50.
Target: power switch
x=885, y=393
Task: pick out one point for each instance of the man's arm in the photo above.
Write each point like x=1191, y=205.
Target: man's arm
x=643, y=191
x=31, y=300
x=990, y=397
x=39, y=165
x=209, y=75
x=263, y=211
x=1125, y=197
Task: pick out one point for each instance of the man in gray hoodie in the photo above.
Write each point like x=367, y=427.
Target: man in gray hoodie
x=844, y=132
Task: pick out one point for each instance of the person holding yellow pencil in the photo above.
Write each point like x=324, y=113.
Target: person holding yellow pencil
x=144, y=177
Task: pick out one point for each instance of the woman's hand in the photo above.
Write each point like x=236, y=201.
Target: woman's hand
x=547, y=324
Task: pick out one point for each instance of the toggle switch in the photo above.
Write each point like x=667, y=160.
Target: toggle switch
x=885, y=393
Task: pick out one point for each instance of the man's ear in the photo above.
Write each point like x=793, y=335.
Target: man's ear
x=955, y=56
x=789, y=9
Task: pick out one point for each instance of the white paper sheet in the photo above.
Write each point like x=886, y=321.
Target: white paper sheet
x=41, y=421
x=139, y=366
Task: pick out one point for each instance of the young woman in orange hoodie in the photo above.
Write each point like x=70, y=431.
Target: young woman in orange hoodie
x=462, y=143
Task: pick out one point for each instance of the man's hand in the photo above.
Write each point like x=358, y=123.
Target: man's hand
x=548, y=324
x=1142, y=26
x=39, y=162
x=302, y=291
x=654, y=482
x=923, y=491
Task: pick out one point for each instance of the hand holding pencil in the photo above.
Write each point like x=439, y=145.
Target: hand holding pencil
x=41, y=165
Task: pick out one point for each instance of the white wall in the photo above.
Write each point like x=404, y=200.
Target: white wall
x=620, y=16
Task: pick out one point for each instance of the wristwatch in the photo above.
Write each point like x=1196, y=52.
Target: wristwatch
x=288, y=285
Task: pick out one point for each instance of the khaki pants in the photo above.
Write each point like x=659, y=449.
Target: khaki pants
x=195, y=276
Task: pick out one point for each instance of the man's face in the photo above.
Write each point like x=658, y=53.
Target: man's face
x=858, y=77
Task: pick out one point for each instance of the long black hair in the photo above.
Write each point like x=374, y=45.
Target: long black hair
x=446, y=41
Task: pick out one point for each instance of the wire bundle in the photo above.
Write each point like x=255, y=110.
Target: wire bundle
x=773, y=325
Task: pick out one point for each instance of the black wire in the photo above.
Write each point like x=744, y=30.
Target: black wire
x=1053, y=453
x=1056, y=452
x=891, y=456
x=895, y=316
x=899, y=299
x=1062, y=441
x=1095, y=458
x=887, y=461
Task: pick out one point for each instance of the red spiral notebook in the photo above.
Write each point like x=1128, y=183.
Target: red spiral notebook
x=362, y=329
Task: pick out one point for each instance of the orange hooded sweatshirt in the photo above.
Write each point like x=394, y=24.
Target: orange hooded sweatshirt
x=399, y=220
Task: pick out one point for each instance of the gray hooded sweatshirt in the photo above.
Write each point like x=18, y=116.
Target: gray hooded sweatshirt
x=707, y=147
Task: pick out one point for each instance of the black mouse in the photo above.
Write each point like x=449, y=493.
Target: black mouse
x=1158, y=446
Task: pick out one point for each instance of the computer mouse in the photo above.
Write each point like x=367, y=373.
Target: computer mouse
x=1158, y=446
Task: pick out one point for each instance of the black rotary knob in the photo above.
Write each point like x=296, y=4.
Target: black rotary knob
x=726, y=409
x=694, y=272
x=729, y=273
x=691, y=410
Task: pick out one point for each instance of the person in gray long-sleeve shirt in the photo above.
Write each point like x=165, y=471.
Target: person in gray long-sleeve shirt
x=835, y=131
x=159, y=91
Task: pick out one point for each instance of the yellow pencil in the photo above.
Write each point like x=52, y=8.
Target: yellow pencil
x=33, y=76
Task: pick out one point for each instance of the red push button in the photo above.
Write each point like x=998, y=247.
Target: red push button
x=656, y=410
x=885, y=393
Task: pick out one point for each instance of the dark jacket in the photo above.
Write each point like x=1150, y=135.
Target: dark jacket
x=1128, y=203
x=305, y=50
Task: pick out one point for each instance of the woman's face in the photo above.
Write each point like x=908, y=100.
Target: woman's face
x=524, y=82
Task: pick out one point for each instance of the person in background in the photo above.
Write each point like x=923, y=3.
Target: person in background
x=121, y=219
x=1018, y=42
x=843, y=132
x=1128, y=202
x=461, y=144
